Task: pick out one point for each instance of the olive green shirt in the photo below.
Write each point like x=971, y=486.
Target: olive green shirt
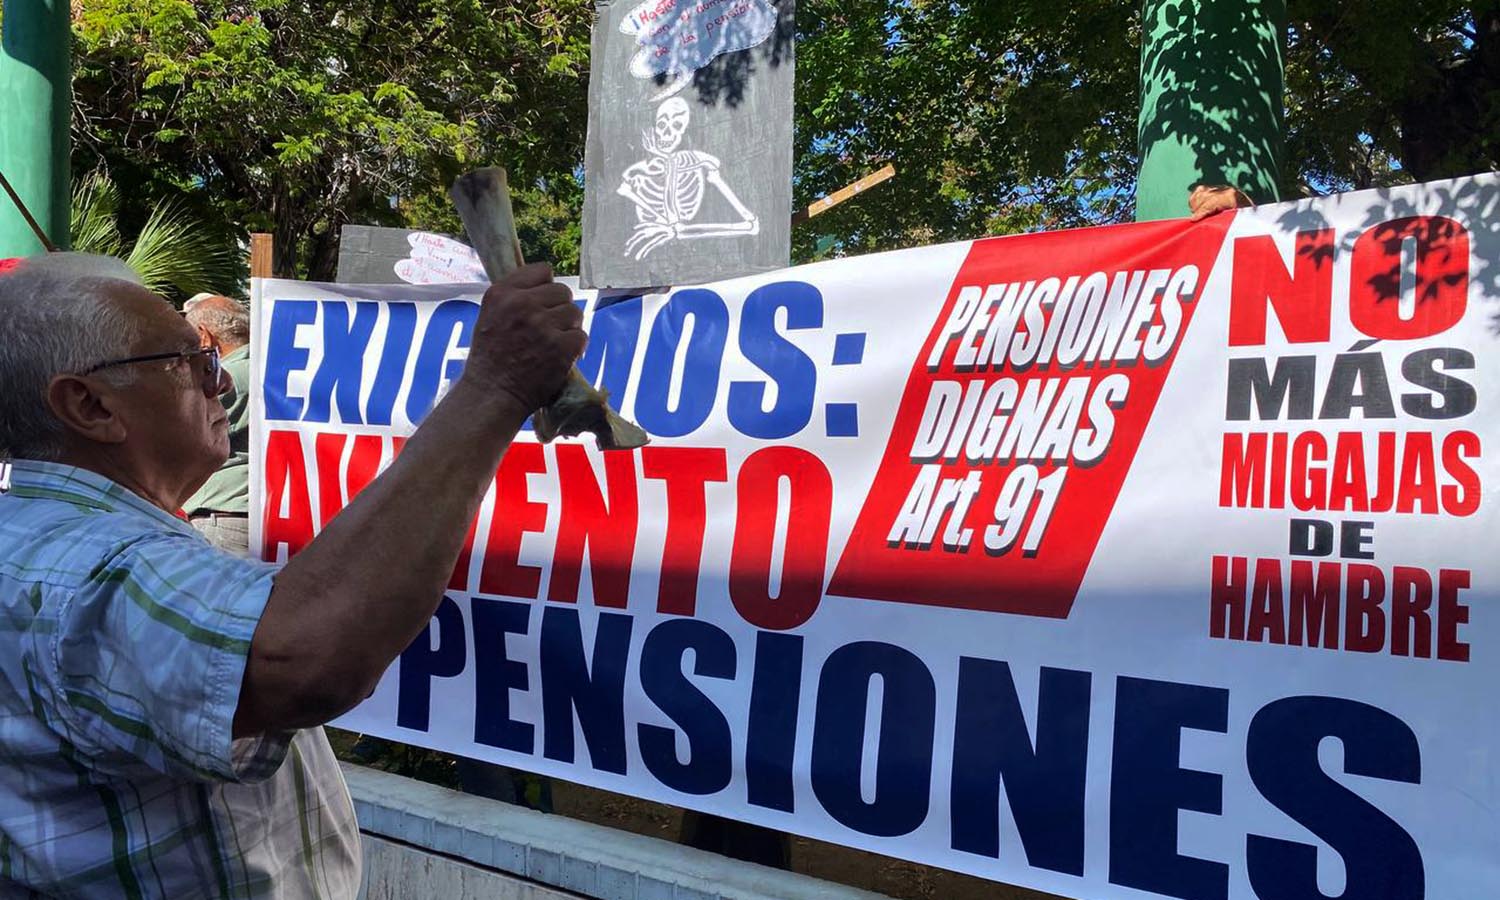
x=228, y=489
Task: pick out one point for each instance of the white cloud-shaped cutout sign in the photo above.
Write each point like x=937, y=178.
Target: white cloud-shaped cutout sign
x=678, y=37
x=436, y=259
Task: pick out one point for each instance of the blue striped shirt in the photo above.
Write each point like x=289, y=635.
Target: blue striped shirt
x=123, y=643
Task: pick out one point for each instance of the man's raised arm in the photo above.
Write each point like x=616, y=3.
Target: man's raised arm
x=351, y=601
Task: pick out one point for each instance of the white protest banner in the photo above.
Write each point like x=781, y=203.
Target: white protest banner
x=1144, y=561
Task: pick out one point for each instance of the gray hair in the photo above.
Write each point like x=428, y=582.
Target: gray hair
x=232, y=325
x=54, y=318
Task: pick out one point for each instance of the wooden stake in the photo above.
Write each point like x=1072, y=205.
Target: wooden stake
x=839, y=196
x=262, y=253
x=26, y=214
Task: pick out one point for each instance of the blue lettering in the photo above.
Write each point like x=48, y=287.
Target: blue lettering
x=1044, y=784
x=614, y=333
x=1281, y=750
x=1148, y=786
x=791, y=369
x=595, y=690
x=709, y=766
x=343, y=364
x=700, y=375
x=421, y=662
x=496, y=675
x=433, y=364
x=903, y=764
x=771, y=741
x=401, y=325
x=283, y=356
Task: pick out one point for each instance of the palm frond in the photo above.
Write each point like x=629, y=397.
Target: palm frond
x=173, y=251
x=95, y=203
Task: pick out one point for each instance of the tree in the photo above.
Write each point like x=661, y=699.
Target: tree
x=1007, y=115
x=1387, y=89
x=299, y=117
x=1001, y=115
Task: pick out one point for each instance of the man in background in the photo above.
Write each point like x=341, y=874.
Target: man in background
x=220, y=509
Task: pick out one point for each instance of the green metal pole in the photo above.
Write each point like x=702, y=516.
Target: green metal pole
x=35, y=101
x=1211, y=100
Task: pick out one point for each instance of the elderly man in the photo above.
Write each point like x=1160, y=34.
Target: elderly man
x=220, y=509
x=159, y=699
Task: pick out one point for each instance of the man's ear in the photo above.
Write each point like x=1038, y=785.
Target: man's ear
x=206, y=338
x=85, y=410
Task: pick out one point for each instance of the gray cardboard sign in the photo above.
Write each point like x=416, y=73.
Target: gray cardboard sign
x=689, y=157
x=371, y=254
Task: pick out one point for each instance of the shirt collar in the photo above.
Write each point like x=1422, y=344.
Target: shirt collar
x=34, y=479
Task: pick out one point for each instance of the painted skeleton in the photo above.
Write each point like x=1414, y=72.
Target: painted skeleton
x=668, y=188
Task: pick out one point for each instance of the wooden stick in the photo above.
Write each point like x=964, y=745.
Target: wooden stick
x=262, y=254
x=823, y=205
x=26, y=214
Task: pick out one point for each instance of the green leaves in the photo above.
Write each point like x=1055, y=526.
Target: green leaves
x=999, y=116
x=95, y=205
x=298, y=118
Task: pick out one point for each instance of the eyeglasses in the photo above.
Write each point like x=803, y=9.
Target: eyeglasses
x=211, y=368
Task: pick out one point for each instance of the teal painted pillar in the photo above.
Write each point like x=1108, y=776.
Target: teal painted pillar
x=35, y=103
x=1211, y=100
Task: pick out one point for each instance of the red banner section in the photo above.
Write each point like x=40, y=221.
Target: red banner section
x=1022, y=415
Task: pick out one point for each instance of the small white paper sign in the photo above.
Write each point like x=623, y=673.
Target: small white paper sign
x=436, y=259
x=678, y=37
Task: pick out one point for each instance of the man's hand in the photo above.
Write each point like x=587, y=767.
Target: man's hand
x=529, y=333
x=1207, y=199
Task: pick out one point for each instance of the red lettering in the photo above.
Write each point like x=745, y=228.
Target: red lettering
x=1418, y=490
x=1242, y=478
x=1364, y=620
x=1226, y=608
x=1347, y=488
x=1451, y=614
x=1411, y=626
x=515, y=515
x=1308, y=485
x=805, y=553
x=364, y=462
x=1442, y=276
x=686, y=471
x=1461, y=499
x=1277, y=492
x=1311, y=617
x=1261, y=281
x=1385, y=472
x=286, y=487
x=586, y=520
x=1266, y=609
x=1314, y=604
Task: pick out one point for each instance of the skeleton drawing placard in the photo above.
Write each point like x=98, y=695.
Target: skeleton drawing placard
x=668, y=188
x=688, y=168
